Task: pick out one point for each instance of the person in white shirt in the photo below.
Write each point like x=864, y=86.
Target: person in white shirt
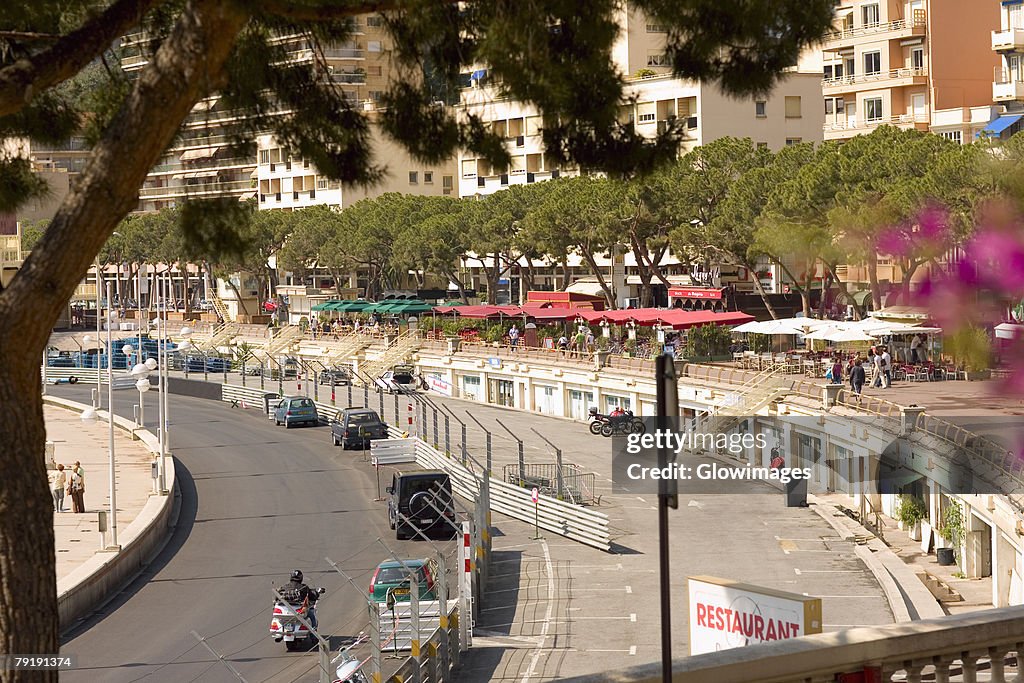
x=915, y=344
x=886, y=368
x=876, y=364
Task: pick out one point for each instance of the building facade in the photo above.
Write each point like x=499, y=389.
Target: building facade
x=902, y=62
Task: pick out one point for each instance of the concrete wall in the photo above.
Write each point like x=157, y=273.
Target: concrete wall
x=961, y=59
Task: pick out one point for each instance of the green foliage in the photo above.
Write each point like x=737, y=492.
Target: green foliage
x=707, y=340
x=951, y=527
x=970, y=346
x=910, y=510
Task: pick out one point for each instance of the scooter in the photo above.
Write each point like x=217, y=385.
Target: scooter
x=285, y=624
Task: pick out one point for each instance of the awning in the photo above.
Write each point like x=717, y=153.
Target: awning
x=201, y=153
x=997, y=126
x=585, y=287
x=247, y=196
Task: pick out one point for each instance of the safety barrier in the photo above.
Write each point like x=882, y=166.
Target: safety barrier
x=242, y=397
x=392, y=451
x=574, y=522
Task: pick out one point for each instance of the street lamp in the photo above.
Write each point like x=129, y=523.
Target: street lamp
x=110, y=423
x=88, y=340
x=140, y=371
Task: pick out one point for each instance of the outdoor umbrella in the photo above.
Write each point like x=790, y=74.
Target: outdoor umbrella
x=841, y=335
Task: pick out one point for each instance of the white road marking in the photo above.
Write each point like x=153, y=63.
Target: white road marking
x=632, y=617
x=629, y=589
x=632, y=649
x=546, y=623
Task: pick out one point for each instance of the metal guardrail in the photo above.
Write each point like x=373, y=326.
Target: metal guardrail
x=577, y=486
x=563, y=518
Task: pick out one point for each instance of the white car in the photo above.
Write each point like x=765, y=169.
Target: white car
x=398, y=381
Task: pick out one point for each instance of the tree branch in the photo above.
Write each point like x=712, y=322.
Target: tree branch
x=25, y=78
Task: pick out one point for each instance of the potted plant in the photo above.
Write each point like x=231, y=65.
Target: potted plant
x=910, y=511
x=951, y=529
x=629, y=348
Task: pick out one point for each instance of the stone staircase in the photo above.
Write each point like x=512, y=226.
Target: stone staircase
x=345, y=348
x=281, y=342
x=398, y=350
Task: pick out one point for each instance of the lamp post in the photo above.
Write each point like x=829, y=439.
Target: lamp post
x=140, y=371
x=110, y=423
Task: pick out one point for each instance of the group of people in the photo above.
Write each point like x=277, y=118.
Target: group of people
x=880, y=363
x=583, y=341
x=68, y=483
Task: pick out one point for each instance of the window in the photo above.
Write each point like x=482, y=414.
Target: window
x=760, y=109
x=851, y=69
x=873, y=109
x=373, y=46
x=830, y=106
x=446, y=184
x=762, y=145
x=264, y=156
x=376, y=21
x=321, y=183
x=414, y=177
x=954, y=135
x=376, y=95
x=840, y=105
x=793, y=141
x=872, y=62
x=793, y=107
x=656, y=28
x=828, y=72
x=917, y=58
x=869, y=13
x=428, y=177
x=647, y=118
x=839, y=70
x=375, y=71
x=657, y=59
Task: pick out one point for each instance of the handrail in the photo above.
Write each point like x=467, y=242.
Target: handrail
x=918, y=21
x=901, y=72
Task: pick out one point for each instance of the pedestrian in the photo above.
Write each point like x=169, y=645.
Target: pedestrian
x=915, y=344
x=513, y=337
x=76, y=488
x=837, y=371
x=886, y=368
x=590, y=341
x=579, y=342
x=563, y=344
x=857, y=379
x=876, y=369
x=58, y=482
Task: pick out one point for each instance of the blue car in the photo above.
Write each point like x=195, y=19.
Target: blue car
x=296, y=410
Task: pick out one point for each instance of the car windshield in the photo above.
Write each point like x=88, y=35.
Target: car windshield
x=398, y=575
x=414, y=486
x=357, y=419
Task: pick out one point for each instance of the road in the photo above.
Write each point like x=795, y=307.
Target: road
x=257, y=502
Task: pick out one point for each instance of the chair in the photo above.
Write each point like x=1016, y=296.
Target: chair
x=738, y=359
x=921, y=374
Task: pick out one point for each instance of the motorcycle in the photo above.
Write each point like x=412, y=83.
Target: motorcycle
x=285, y=624
x=623, y=424
x=348, y=670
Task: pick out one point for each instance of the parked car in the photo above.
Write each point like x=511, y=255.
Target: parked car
x=335, y=377
x=296, y=410
x=346, y=425
x=400, y=379
x=423, y=499
x=390, y=575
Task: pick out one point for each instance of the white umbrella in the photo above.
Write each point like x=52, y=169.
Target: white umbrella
x=825, y=331
x=850, y=336
x=752, y=326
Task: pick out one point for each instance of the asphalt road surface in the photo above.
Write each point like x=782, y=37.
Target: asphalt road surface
x=257, y=502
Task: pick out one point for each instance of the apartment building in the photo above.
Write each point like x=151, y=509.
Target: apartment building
x=203, y=163
x=284, y=182
x=790, y=114
x=1008, y=76
x=919, y=64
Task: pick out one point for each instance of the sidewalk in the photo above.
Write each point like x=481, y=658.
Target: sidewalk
x=77, y=535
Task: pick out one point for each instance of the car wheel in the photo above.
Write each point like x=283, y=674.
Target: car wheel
x=400, y=533
x=287, y=424
x=391, y=521
x=291, y=645
x=334, y=439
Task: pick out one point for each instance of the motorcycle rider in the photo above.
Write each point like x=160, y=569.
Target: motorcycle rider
x=296, y=592
x=618, y=413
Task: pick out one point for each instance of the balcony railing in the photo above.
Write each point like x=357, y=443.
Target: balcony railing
x=892, y=74
x=860, y=124
x=227, y=188
x=1009, y=39
x=974, y=646
x=919, y=20
x=349, y=77
x=1007, y=85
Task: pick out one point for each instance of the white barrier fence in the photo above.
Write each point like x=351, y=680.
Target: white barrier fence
x=392, y=451
x=396, y=624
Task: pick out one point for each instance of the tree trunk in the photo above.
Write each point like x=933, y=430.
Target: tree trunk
x=763, y=294
x=566, y=280
x=909, y=273
x=876, y=292
x=188, y=64
x=592, y=262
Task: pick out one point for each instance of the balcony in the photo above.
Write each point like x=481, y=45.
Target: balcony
x=349, y=77
x=894, y=78
x=1010, y=39
x=198, y=189
x=901, y=28
x=846, y=128
x=1007, y=86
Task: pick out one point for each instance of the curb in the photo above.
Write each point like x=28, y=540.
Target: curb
x=908, y=598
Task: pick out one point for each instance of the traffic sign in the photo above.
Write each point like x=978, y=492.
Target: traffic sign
x=535, y=494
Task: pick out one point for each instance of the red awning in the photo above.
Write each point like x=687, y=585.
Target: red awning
x=682, y=320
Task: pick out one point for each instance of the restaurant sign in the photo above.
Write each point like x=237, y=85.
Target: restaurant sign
x=694, y=293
